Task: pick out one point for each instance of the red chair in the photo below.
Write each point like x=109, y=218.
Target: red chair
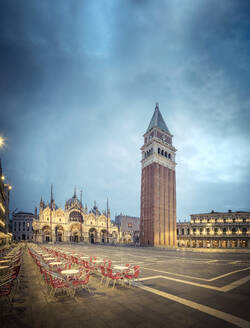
x=7, y=289
x=57, y=284
x=132, y=276
x=115, y=277
x=81, y=284
x=103, y=273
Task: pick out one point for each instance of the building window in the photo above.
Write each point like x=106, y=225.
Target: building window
x=159, y=151
x=177, y=231
x=182, y=231
x=169, y=156
x=188, y=231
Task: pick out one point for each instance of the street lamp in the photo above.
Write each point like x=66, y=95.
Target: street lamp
x=2, y=142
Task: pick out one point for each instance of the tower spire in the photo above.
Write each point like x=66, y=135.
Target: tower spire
x=75, y=192
x=157, y=121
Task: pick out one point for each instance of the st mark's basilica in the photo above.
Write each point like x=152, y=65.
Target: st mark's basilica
x=73, y=224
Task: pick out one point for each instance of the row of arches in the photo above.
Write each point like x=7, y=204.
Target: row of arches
x=164, y=153
x=239, y=243
x=148, y=153
x=75, y=235
x=215, y=231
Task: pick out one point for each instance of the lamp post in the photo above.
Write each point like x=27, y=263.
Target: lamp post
x=7, y=188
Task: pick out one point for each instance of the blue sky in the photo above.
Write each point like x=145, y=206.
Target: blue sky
x=78, y=86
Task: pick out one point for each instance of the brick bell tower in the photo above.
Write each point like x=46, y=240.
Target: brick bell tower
x=158, y=185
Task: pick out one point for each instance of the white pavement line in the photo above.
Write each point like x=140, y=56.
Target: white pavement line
x=235, y=284
x=234, y=262
x=175, y=274
x=224, y=289
x=228, y=274
x=193, y=283
x=192, y=277
x=203, y=308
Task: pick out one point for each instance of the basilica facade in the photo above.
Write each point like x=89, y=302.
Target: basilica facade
x=73, y=224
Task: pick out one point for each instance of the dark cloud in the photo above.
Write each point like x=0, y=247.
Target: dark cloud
x=78, y=83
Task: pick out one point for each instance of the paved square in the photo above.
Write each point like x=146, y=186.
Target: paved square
x=175, y=289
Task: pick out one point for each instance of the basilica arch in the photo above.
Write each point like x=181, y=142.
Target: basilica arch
x=46, y=234
x=75, y=233
x=75, y=216
x=103, y=235
x=92, y=235
x=59, y=233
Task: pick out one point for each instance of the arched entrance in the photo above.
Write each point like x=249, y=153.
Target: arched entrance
x=59, y=233
x=103, y=236
x=92, y=235
x=46, y=234
x=75, y=233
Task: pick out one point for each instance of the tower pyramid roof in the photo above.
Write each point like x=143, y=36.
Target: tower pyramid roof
x=157, y=121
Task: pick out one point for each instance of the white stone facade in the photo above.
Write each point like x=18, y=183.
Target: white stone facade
x=74, y=224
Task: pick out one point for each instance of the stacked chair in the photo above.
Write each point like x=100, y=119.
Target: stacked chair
x=9, y=280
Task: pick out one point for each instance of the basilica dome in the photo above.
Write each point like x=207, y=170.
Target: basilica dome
x=73, y=202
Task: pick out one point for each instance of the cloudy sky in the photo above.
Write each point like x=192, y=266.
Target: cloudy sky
x=78, y=85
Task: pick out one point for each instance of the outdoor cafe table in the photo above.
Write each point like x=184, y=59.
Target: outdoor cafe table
x=84, y=257
x=4, y=261
x=49, y=258
x=55, y=263
x=120, y=267
x=69, y=272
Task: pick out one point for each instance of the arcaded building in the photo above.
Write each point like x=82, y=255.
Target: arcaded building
x=215, y=230
x=158, y=185
x=74, y=224
x=22, y=226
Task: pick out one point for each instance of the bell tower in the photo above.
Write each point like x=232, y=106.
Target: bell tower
x=158, y=185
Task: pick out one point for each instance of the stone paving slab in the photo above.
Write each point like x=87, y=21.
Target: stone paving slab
x=118, y=307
